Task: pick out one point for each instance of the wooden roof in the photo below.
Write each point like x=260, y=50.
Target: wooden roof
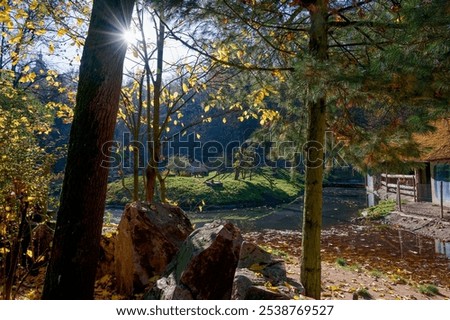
x=436, y=145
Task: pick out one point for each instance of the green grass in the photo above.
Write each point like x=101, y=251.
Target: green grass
x=341, y=262
x=381, y=210
x=189, y=192
x=364, y=293
x=376, y=273
x=429, y=289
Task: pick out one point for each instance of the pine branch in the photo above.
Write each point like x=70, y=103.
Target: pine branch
x=223, y=62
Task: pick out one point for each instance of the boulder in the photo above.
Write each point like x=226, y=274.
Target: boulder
x=260, y=276
x=204, y=267
x=148, y=238
x=42, y=237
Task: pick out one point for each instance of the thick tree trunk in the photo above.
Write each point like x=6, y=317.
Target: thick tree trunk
x=73, y=263
x=310, y=272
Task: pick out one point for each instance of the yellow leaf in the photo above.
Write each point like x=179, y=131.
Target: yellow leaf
x=21, y=14
x=207, y=108
x=185, y=88
x=224, y=120
x=26, y=69
x=16, y=39
x=40, y=32
x=28, y=78
x=34, y=4
x=198, y=136
x=256, y=267
x=334, y=288
x=61, y=32
x=51, y=48
x=270, y=287
x=30, y=25
x=30, y=253
x=4, y=17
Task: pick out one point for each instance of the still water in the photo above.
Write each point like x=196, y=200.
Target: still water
x=340, y=206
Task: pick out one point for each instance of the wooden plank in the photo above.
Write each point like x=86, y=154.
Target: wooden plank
x=398, y=176
x=402, y=186
x=403, y=192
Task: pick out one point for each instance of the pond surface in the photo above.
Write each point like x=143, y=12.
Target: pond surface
x=340, y=205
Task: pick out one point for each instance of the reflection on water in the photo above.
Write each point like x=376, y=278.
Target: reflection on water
x=408, y=255
x=442, y=247
x=381, y=245
x=372, y=199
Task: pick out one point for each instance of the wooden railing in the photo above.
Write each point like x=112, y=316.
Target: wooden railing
x=403, y=184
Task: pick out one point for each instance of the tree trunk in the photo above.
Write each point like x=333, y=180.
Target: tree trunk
x=15, y=250
x=155, y=156
x=310, y=272
x=136, y=155
x=162, y=188
x=73, y=263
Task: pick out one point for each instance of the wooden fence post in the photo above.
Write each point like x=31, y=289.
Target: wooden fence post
x=399, y=197
x=442, y=199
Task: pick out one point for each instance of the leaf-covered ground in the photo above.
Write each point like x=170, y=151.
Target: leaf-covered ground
x=368, y=262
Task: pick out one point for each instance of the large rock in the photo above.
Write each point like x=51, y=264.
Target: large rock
x=148, y=238
x=260, y=276
x=42, y=237
x=204, y=267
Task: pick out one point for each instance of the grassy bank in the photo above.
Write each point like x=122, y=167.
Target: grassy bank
x=189, y=192
x=379, y=211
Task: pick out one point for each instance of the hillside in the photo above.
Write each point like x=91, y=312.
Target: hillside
x=189, y=192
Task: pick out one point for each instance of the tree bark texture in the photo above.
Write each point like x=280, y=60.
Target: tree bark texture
x=73, y=263
x=310, y=272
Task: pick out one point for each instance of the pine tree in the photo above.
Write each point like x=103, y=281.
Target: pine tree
x=369, y=70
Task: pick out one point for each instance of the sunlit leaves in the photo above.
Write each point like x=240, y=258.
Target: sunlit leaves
x=185, y=88
x=28, y=77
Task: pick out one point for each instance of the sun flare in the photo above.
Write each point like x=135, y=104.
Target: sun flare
x=130, y=36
